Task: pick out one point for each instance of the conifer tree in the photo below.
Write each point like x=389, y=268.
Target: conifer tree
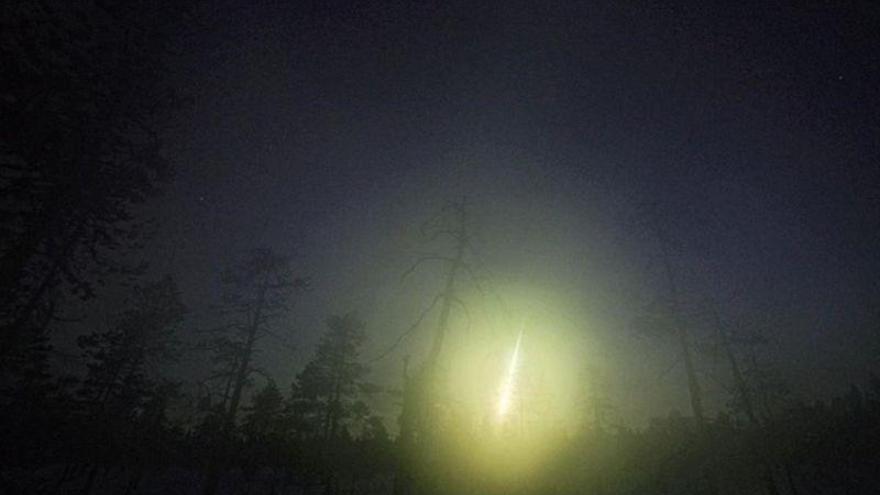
x=82, y=101
x=333, y=380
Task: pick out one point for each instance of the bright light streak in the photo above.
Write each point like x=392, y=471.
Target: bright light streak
x=509, y=383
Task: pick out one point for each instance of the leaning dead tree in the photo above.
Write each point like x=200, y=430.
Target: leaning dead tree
x=423, y=389
x=450, y=223
x=257, y=297
x=675, y=320
x=455, y=264
x=679, y=329
x=744, y=394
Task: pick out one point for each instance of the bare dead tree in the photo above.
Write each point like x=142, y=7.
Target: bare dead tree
x=745, y=397
x=421, y=391
x=678, y=326
x=258, y=296
x=680, y=332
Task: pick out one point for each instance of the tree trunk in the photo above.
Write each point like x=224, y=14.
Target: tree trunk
x=135, y=480
x=21, y=315
x=792, y=486
x=90, y=480
x=240, y=378
x=745, y=396
x=448, y=294
x=694, y=391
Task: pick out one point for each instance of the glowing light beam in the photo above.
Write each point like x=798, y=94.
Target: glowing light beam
x=507, y=387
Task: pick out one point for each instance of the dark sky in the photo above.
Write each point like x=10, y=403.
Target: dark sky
x=330, y=131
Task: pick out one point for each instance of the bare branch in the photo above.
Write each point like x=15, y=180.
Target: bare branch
x=464, y=307
x=421, y=260
x=408, y=331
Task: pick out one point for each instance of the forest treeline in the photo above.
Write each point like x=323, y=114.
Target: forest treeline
x=83, y=100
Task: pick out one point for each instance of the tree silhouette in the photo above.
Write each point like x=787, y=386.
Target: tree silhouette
x=81, y=102
x=331, y=387
x=424, y=390
x=121, y=361
x=264, y=417
x=258, y=292
x=123, y=393
x=333, y=379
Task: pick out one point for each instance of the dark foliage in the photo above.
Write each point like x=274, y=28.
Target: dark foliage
x=82, y=100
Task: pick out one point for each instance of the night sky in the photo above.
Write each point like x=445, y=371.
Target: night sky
x=330, y=131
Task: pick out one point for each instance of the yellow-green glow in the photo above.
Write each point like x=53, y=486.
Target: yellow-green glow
x=511, y=391
x=507, y=387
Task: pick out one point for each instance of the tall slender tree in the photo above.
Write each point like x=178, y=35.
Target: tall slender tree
x=674, y=322
x=745, y=400
x=82, y=101
x=332, y=382
x=333, y=379
x=264, y=417
x=123, y=391
x=423, y=391
x=257, y=296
